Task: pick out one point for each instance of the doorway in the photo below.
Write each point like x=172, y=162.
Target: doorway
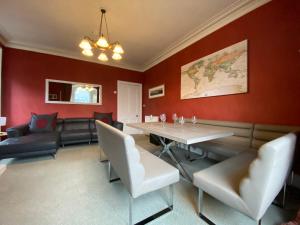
x=129, y=104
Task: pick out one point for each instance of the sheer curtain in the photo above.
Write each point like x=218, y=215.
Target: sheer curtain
x=1, y=50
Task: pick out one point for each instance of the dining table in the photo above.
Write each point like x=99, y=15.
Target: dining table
x=188, y=133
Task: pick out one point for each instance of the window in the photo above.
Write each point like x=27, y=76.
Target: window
x=82, y=95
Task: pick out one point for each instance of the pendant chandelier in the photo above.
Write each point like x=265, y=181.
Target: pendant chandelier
x=102, y=44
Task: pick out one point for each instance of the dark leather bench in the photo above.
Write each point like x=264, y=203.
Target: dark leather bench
x=30, y=145
x=22, y=143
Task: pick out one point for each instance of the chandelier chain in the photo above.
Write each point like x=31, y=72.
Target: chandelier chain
x=106, y=29
x=100, y=28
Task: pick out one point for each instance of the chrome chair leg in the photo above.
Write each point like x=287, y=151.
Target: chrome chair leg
x=200, y=208
x=200, y=201
x=284, y=195
x=130, y=209
x=171, y=196
x=110, y=179
x=292, y=177
x=109, y=171
x=154, y=216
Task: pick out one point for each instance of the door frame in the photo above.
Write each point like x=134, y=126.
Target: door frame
x=141, y=97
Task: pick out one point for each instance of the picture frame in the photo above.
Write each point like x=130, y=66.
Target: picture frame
x=220, y=73
x=157, y=91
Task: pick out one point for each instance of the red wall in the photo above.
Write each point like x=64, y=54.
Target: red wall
x=23, y=83
x=273, y=33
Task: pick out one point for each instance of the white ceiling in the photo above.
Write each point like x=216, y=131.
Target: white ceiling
x=149, y=30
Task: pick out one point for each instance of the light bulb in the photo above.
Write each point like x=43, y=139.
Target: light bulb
x=103, y=57
x=118, y=49
x=85, y=44
x=87, y=52
x=116, y=56
x=102, y=42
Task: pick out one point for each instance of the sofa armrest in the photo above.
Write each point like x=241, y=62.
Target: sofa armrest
x=17, y=131
x=118, y=125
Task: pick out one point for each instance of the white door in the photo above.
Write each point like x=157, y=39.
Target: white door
x=129, y=104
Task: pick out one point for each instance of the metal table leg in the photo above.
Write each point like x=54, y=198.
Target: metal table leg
x=202, y=156
x=167, y=149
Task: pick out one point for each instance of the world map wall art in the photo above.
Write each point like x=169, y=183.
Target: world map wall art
x=220, y=73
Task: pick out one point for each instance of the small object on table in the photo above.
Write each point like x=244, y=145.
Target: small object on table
x=181, y=120
x=174, y=117
x=194, y=119
x=163, y=117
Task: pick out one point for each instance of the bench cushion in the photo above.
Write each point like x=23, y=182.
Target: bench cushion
x=70, y=135
x=227, y=150
x=223, y=179
x=228, y=146
x=263, y=133
x=158, y=173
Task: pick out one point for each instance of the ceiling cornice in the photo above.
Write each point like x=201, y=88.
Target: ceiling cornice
x=66, y=54
x=229, y=14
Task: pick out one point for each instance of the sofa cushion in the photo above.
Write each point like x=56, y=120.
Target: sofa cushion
x=30, y=143
x=71, y=135
x=104, y=117
x=42, y=122
x=71, y=124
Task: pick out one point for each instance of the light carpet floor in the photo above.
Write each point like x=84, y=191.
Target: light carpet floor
x=73, y=190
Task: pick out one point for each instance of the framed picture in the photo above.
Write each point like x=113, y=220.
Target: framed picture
x=157, y=91
x=220, y=73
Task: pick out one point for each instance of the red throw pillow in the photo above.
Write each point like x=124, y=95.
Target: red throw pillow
x=42, y=122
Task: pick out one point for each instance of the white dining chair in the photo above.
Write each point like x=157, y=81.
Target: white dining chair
x=246, y=182
x=140, y=171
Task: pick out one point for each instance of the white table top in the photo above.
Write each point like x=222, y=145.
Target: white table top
x=187, y=133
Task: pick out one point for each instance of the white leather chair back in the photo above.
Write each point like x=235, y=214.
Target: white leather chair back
x=267, y=174
x=122, y=154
